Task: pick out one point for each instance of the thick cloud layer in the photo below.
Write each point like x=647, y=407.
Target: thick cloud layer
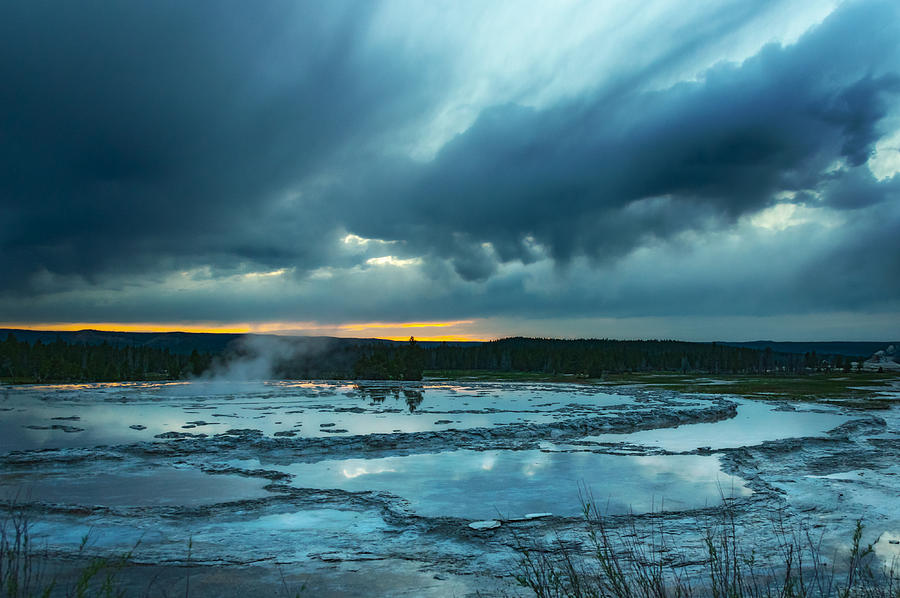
x=169, y=162
x=143, y=136
x=600, y=174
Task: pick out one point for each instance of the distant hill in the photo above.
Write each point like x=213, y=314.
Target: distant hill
x=846, y=348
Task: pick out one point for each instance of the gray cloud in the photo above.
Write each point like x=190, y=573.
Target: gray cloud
x=600, y=174
x=162, y=134
x=145, y=139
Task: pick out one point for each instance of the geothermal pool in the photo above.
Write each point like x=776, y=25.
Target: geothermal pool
x=334, y=479
x=94, y=414
x=510, y=484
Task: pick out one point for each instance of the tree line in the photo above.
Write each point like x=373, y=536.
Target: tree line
x=594, y=358
x=21, y=361
x=25, y=362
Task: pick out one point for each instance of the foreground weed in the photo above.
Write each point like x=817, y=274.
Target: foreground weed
x=642, y=563
x=23, y=571
x=21, y=574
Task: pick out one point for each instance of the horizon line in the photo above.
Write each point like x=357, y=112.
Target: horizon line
x=141, y=329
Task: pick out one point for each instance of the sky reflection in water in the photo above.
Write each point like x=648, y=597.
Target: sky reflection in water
x=485, y=484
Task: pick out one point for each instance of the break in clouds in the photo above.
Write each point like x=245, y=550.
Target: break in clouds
x=169, y=161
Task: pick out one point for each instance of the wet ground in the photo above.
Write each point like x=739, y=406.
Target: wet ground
x=427, y=487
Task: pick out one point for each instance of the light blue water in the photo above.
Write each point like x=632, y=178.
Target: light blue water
x=755, y=423
x=98, y=414
x=488, y=484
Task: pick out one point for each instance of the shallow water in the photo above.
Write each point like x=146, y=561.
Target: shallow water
x=755, y=423
x=147, y=487
x=87, y=415
x=410, y=503
x=286, y=535
x=486, y=484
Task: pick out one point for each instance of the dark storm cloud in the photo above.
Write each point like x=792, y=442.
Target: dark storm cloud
x=857, y=188
x=148, y=135
x=601, y=174
x=140, y=139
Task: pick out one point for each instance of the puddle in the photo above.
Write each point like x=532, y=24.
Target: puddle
x=755, y=423
x=482, y=485
x=62, y=534
x=314, y=521
x=152, y=487
x=290, y=535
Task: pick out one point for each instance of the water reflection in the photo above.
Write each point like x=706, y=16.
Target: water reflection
x=414, y=398
x=483, y=484
x=121, y=413
x=377, y=395
x=755, y=423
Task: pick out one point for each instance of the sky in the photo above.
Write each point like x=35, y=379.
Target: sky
x=704, y=171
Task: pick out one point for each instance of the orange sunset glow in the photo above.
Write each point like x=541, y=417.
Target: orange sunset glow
x=450, y=331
